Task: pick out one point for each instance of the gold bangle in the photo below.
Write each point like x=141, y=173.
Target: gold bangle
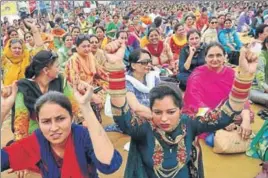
x=117, y=92
x=117, y=80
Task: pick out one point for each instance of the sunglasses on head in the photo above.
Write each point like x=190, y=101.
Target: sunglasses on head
x=16, y=40
x=82, y=37
x=53, y=55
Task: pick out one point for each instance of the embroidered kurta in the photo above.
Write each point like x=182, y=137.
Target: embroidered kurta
x=154, y=156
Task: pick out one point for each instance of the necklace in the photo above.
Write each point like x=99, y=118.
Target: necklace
x=158, y=156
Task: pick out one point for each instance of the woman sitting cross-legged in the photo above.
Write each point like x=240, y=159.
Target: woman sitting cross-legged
x=259, y=92
x=140, y=80
x=160, y=50
x=192, y=55
x=60, y=148
x=210, y=84
x=162, y=146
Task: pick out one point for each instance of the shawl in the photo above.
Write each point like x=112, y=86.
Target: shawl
x=133, y=40
x=150, y=81
x=37, y=156
x=104, y=43
x=48, y=38
x=203, y=81
x=144, y=41
x=77, y=66
x=146, y=20
x=156, y=52
x=14, y=67
x=177, y=44
x=100, y=58
x=32, y=92
x=63, y=57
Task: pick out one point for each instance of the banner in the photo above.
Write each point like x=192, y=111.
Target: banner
x=23, y=6
x=32, y=5
x=8, y=8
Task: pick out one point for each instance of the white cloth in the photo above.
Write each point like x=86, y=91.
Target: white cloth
x=150, y=80
x=126, y=146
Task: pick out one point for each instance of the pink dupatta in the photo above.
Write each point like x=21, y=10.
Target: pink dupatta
x=206, y=88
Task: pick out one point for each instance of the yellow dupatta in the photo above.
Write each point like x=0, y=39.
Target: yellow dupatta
x=84, y=69
x=179, y=42
x=14, y=67
x=104, y=43
x=144, y=41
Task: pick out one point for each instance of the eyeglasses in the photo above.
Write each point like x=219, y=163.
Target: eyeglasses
x=145, y=62
x=94, y=42
x=27, y=37
x=213, y=22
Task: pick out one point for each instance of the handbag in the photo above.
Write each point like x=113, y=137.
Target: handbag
x=229, y=142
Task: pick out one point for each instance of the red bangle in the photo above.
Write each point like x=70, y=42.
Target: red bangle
x=117, y=85
x=243, y=86
x=118, y=74
x=239, y=95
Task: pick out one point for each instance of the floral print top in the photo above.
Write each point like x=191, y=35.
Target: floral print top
x=172, y=154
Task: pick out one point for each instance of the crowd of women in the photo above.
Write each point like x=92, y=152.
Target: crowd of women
x=60, y=72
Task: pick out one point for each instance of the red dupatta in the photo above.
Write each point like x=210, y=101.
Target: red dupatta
x=156, y=51
x=26, y=154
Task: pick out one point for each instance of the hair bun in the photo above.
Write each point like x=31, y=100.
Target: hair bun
x=29, y=72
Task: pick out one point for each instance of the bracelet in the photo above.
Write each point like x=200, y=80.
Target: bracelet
x=119, y=111
x=244, y=78
x=117, y=93
x=118, y=81
x=114, y=68
x=241, y=87
x=228, y=110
